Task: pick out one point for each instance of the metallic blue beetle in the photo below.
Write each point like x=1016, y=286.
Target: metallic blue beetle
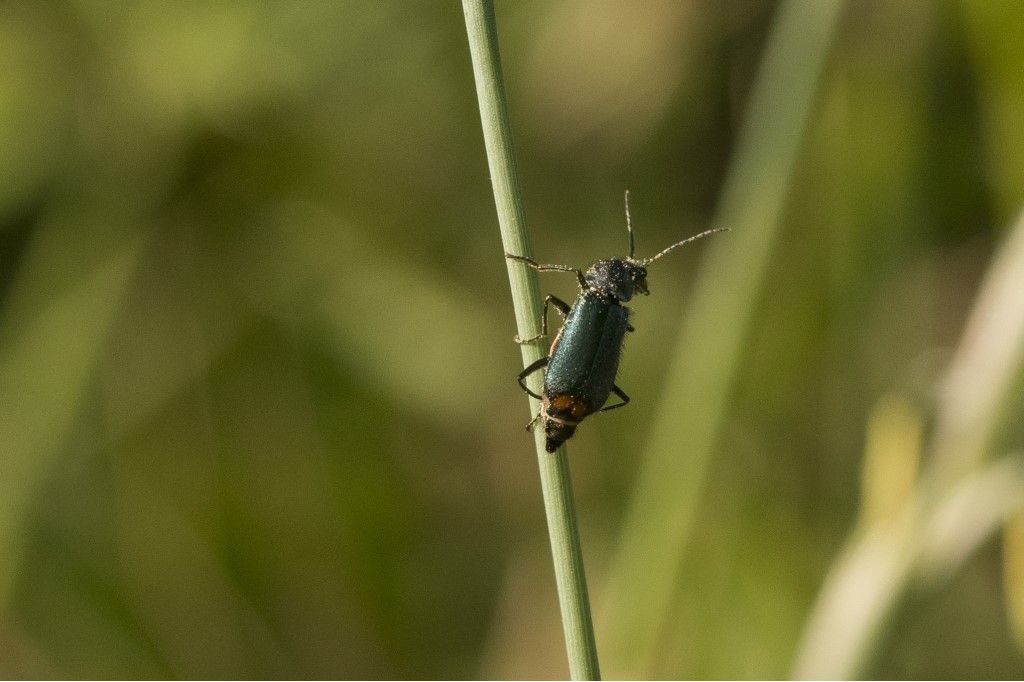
x=584, y=356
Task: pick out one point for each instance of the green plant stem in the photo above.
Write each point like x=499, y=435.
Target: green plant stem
x=554, y=468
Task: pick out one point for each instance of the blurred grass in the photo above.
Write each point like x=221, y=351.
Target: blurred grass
x=50, y=349
x=957, y=502
x=647, y=565
x=257, y=414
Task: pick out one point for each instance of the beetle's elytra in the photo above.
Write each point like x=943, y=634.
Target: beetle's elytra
x=584, y=357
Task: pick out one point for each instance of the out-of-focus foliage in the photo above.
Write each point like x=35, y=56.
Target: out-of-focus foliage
x=257, y=415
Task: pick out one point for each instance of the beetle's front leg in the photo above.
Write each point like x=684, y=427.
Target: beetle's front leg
x=560, y=305
x=550, y=268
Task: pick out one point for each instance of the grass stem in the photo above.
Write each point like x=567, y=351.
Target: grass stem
x=554, y=468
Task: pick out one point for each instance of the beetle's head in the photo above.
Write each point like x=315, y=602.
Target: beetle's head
x=617, y=278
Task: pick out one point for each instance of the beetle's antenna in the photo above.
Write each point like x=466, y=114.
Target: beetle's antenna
x=694, y=238
x=629, y=228
x=629, y=225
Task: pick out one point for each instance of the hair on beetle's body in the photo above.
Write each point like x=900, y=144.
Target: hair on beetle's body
x=584, y=356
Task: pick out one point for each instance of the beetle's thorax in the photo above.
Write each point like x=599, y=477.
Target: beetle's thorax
x=616, y=279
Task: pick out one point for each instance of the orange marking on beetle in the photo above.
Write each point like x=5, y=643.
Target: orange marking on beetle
x=569, y=405
x=554, y=342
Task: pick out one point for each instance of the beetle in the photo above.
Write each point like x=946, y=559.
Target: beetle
x=584, y=356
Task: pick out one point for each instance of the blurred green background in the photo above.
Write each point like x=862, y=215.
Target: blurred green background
x=258, y=415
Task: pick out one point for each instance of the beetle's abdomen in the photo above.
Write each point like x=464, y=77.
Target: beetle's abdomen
x=562, y=414
x=585, y=357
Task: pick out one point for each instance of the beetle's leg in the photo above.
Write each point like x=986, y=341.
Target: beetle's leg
x=560, y=305
x=549, y=268
x=629, y=328
x=617, y=391
x=533, y=422
x=527, y=372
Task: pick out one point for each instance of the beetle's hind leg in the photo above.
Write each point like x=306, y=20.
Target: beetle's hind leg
x=622, y=396
x=561, y=306
x=533, y=422
x=527, y=372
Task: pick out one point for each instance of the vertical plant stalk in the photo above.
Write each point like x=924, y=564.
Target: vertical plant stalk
x=554, y=468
